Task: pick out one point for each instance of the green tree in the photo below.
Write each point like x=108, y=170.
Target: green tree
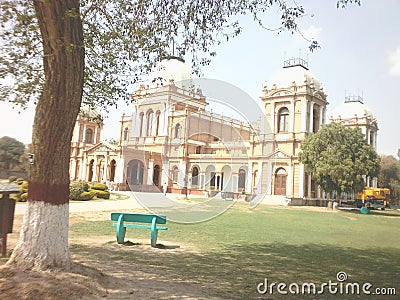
x=338, y=158
x=11, y=151
x=60, y=53
x=389, y=175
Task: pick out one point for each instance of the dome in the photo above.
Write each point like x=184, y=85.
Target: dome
x=295, y=73
x=351, y=108
x=170, y=69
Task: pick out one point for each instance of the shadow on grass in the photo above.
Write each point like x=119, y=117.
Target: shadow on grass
x=234, y=271
x=374, y=212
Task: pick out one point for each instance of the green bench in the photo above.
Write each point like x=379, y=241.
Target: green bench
x=133, y=218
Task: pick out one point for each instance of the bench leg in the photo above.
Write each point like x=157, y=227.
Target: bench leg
x=120, y=230
x=154, y=233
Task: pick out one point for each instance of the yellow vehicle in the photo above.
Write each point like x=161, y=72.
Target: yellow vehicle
x=373, y=197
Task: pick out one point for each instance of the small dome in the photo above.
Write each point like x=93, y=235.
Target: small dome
x=298, y=74
x=90, y=113
x=350, y=109
x=170, y=69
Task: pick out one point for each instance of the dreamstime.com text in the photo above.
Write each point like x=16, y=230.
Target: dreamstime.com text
x=338, y=287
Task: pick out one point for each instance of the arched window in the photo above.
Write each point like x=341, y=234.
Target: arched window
x=283, y=120
x=198, y=150
x=150, y=116
x=126, y=134
x=141, y=124
x=315, y=120
x=157, y=122
x=90, y=176
x=89, y=136
x=195, y=176
x=113, y=165
x=156, y=175
x=280, y=182
x=135, y=172
x=175, y=172
x=242, y=180
x=177, y=130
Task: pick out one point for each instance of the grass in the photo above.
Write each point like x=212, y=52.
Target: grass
x=241, y=247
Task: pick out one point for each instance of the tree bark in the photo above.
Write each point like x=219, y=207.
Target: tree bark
x=43, y=240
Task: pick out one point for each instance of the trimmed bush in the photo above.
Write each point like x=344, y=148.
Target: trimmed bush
x=23, y=192
x=23, y=197
x=103, y=194
x=85, y=196
x=12, y=179
x=24, y=186
x=19, y=181
x=99, y=186
x=76, y=188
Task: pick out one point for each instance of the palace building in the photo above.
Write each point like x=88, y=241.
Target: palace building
x=172, y=139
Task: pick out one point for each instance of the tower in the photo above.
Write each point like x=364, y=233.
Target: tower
x=294, y=105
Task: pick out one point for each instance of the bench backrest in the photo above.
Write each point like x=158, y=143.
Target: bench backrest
x=140, y=218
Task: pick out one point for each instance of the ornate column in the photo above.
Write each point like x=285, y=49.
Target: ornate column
x=150, y=172
x=311, y=119
x=304, y=116
x=301, y=181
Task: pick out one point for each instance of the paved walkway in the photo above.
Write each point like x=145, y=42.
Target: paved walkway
x=150, y=200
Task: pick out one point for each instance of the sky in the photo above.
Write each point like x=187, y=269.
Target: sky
x=359, y=55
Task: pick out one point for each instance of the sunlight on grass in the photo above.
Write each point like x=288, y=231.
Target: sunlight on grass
x=241, y=247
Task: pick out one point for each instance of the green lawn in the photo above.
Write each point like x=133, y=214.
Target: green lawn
x=241, y=247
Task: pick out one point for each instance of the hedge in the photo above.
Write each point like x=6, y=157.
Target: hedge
x=99, y=186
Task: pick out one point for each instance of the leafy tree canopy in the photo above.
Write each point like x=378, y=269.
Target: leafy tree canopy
x=338, y=157
x=10, y=152
x=389, y=175
x=124, y=39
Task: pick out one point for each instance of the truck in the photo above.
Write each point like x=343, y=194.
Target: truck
x=373, y=198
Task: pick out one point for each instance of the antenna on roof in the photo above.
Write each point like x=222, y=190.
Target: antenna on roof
x=295, y=61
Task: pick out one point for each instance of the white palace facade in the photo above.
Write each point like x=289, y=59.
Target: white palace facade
x=171, y=138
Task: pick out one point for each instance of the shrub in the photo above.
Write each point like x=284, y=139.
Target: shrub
x=76, y=188
x=23, y=197
x=24, y=186
x=23, y=192
x=85, y=196
x=103, y=194
x=19, y=181
x=99, y=186
x=12, y=179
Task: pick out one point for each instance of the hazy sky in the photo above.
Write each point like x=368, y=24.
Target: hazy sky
x=359, y=55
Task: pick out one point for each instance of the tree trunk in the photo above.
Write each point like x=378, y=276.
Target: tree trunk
x=43, y=240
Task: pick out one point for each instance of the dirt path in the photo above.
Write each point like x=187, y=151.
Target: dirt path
x=100, y=272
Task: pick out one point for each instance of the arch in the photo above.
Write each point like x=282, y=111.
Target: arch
x=141, y=116
x=225, y=181
x=195, y=176
x=156, y=175
x=210, y=176
x=149, y=125
x=135, y=172
x=90, y=176
x=89, y=136
x=126, y=134
x=198, y=149
x=280, y=182
x=113, y=165
x=315, y=119
x=175, y=173
x=283, y=120
x=177, y=131
x=242, y=180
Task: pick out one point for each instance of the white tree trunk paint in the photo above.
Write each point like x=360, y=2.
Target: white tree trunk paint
x=41, y=247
